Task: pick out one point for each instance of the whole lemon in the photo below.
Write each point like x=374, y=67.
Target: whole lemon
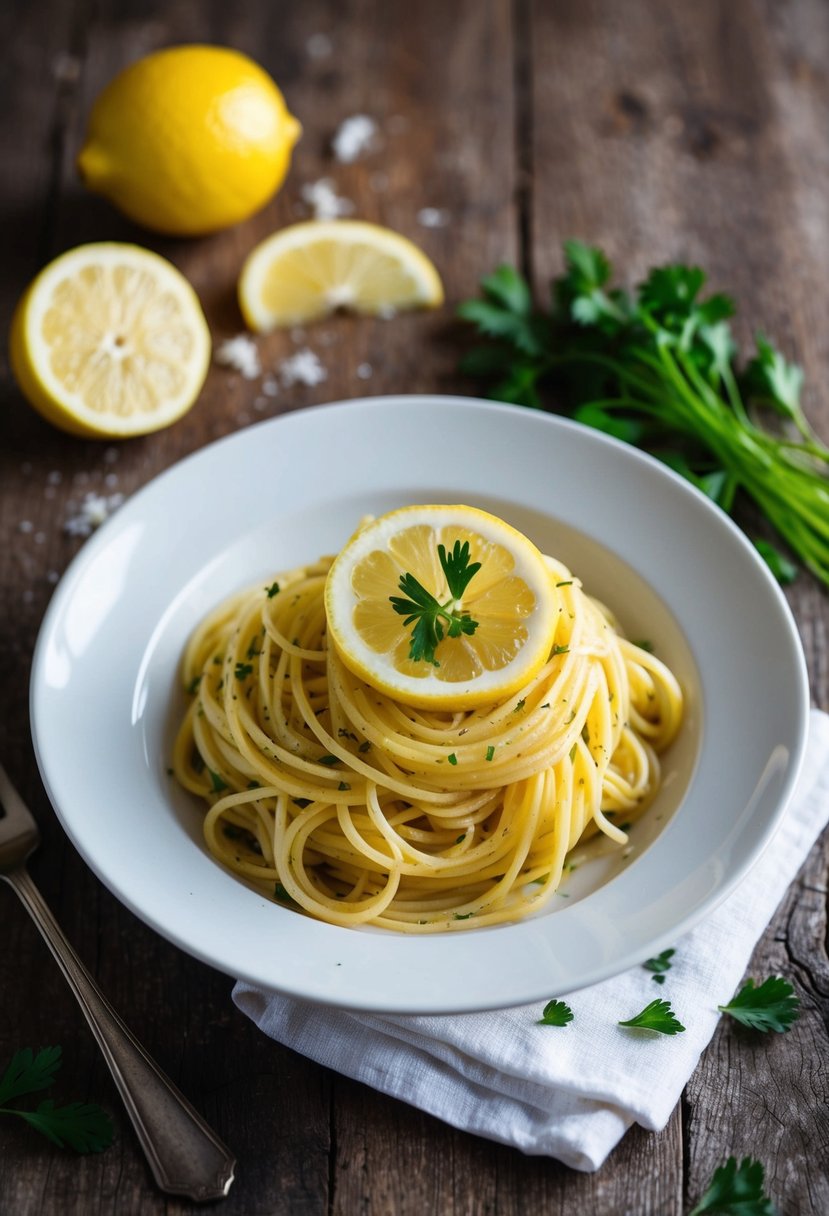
x=189, y=140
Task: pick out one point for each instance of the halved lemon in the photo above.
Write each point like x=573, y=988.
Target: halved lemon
x=512, y=597
x=110, y=341
x=309, y=270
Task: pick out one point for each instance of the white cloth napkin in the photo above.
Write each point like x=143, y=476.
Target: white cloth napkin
x=569, y=1092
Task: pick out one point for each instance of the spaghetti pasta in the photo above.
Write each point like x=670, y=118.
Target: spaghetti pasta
x=362, y=810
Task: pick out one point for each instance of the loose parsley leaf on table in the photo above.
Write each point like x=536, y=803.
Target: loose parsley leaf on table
x=658, y=367
x=658, y=1016
x=555, y=1013
x=770, y=1006
x=659, y=965
x=736, y=1190
x=428, y=614
x=82, y=1126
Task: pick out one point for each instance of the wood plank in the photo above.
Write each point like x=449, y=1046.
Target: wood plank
x=270, y=1106
x=662, y=138
x=393, y=1160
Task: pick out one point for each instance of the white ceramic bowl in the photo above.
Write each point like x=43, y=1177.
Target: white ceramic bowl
x=104, y=693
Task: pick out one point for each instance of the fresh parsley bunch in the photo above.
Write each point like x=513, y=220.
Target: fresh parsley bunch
x=658, y=368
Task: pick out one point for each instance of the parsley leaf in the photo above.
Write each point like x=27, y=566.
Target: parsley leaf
x=657, y=366
x=771, y=1006
x=27, y=1072
x=658, y=1016
x=82, y=1126
x=428, y=615
x=555, y=1013
x=660, y=964
x=736, y=1190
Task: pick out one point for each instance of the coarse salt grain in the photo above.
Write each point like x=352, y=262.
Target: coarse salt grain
x=321, y=196
x=303, y=367
x=26, y=525
x=241, y=354
x=93, y=511
x=319, y=46
x=353, y=137
x=270, y=386
x=433, y=217
x=364, y=371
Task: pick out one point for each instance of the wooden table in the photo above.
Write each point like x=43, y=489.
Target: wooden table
x=657, y=129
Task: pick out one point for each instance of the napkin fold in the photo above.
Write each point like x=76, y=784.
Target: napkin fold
x=569, y=1092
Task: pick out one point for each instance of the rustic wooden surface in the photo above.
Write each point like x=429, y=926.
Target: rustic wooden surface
x=658, y=129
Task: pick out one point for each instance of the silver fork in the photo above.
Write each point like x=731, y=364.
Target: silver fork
x=184, y=1154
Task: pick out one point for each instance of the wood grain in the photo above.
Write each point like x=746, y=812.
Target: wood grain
x=656, y=131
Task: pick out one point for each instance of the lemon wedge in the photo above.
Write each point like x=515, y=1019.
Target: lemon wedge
x=309, y=270
x=512, y=598
x=110, y=341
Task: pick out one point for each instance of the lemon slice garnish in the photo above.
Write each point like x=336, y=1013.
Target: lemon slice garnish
x=512, y=598
x=309, y=270
x=110, y=341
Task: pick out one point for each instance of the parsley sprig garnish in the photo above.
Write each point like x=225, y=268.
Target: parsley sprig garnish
x=428, y=614
x=82, y=1126
x=657, y=367
x=770, y=1006
x=736, y=1190
x=658, y=1016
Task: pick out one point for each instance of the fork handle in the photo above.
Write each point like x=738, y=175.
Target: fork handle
x=184, y=1153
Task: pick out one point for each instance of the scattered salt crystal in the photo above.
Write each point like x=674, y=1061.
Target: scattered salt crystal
x=66, y=67
x=54, y=478
x=260, y=404
x=111, y=455
x=52, y=576
x=26, y=525
x=386, y=312
x=319, y=46
x=111, y=480
x=92, y=512
x=241, y=354
x=433, y=217
x=353, y=137
x=303, y=367
x=364, y=371
x=40, y=538
x=321, y=196
x=270, y=386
